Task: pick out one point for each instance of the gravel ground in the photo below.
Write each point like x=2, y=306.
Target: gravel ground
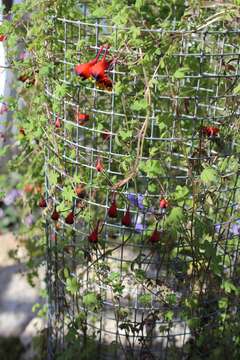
x=17, y=298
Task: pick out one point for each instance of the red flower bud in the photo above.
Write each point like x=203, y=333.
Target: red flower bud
x=69, y=219
x=163, y=203
x=126, y=219
x=98, y=70
x=210, y=131
x=99, y=165
x=22, y=131
x=93, y=237
x=155, y=237
x=106, y=135
x=112, y=211
x=42, y=203
x=83, y=70
x=105, y=83
x=2, y=37
x=80, y=191
x=55, y=215
x=81, y=118
x=57, y=122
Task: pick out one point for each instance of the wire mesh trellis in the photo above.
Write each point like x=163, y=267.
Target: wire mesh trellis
x=125, y=297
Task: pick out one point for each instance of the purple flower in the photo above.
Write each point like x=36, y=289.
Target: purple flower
x=29, y=220
x=218, y=228
x=136, y=200
x=133, y=199
x=12, y=196
x=139, y=226
x=3, y=108
x=235, y=228
x=1, y=213
x=24, y=55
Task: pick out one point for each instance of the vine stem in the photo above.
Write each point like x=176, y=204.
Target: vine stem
x=143, y=130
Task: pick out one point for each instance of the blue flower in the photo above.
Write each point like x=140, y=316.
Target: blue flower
x=235, y=228
x=140, y=227
x=136, y=200
x=11, y=196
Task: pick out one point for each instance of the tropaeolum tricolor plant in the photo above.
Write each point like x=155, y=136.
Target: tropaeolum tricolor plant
x=139, y=134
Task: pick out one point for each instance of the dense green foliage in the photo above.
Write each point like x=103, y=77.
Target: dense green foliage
x=157, y=96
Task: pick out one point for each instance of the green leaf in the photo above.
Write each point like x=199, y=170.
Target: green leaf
x=60, y=90
x=169, y=315
x=45, y=70
x=72, y=285
x=236, y=90
x=145, y=299
x=180, y=73
x=125, y=134
x=90, y=299
x=139, y=105
x=209, y=176
x=229, y=287
x=66, y=273
x=151, y=168
x=68, y=193
x=175, y=217
x=53, y=178
x=181, y=193
x=139, y=4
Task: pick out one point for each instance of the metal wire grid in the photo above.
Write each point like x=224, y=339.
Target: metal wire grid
x=211, y=102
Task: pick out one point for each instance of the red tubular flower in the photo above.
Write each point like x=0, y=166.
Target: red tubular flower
x=126, y=219
x=69, y=219
x=210, y=131
x=42, y=203
x=105, y=83
x=93, y=237
x=80, y=191
x=81, y=118
x=112, y=211
x=155, y=237
x=2, y=37
x=163, y=203
x=98, y=70
x=99, y=166
x=58, y=122
x=106, y=135
x=22, y=131
x=83, y=70
x=55, y=215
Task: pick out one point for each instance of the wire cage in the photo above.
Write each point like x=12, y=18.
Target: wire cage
x=149, y=287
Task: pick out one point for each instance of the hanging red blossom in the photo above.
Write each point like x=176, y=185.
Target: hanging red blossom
x=106, y=135
x=105, y=83
x=80, y=191
x=163, y=203
x=55, y=215
x=126, y=219
x=210, y=131
x=2, y=37
x=83, y=70
x=93, y=237
x=155, y=237
x=81, y=118
x=22, y=131
x=70, y=218
x=112, y=211
x=98, y=70
x=99, y=166
x=58, y=122
x=42, y=203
